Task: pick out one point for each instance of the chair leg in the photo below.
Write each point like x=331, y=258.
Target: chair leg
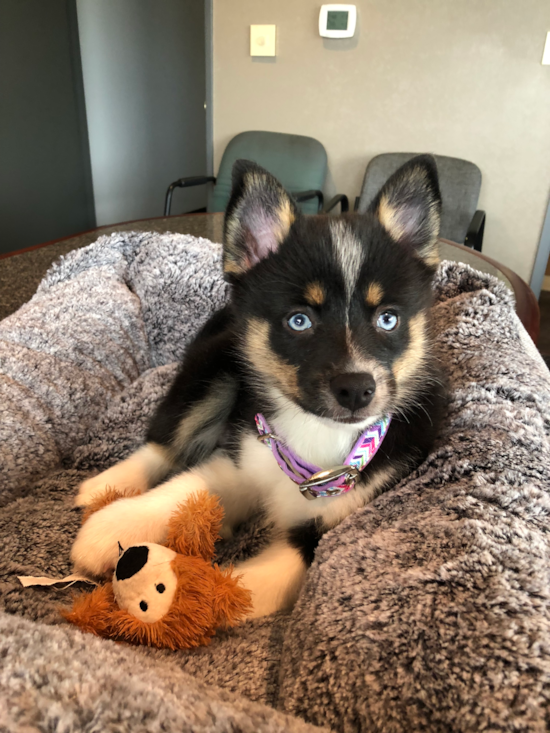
x=168, y=199
x=474, y=236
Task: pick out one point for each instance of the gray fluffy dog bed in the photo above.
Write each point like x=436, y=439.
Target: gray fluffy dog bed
x=427, y=610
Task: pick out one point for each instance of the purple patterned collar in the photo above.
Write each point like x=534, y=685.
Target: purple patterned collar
x=315, y=482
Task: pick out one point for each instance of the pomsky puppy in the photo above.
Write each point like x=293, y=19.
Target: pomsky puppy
x=310, y=393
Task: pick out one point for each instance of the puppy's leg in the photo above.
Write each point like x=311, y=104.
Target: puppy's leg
x=143, y=469
x=274, y=577
x=145, y=518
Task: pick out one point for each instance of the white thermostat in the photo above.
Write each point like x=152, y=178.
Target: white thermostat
x=337, y=21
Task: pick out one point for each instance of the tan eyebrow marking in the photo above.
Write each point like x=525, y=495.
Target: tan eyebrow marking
x=374, y=295
x=314, y=294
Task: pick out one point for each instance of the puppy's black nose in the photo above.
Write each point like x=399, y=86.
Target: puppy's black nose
x=131, y=562
x=353, y=391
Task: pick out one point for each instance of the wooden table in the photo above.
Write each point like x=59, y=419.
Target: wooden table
x=21, y=272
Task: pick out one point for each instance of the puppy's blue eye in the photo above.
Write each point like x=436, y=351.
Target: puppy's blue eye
x=299, y=322
x=387, y=321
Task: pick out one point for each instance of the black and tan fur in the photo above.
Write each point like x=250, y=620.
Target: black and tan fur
x=318, y=388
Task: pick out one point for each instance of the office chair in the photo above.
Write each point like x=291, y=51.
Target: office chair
x=299, y=162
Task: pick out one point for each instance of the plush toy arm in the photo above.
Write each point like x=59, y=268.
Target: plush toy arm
x=195, y=526
x=232, y=602
x=93, y=612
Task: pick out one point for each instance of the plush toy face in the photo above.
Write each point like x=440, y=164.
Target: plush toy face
x=144, y=582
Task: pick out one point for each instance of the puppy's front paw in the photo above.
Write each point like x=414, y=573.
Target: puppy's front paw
x=95, y=550
x=126, y=479
x=91, y=490
x=125, y=521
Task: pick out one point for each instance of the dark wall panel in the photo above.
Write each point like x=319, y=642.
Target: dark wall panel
x=144, y=76
x=45, y=176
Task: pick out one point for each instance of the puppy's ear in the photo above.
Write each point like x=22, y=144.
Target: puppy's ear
x=409, y=207
x=258, y=218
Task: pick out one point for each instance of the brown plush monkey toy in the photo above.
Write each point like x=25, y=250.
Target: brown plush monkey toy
x=168, y=596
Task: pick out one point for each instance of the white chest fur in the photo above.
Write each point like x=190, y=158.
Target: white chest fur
x=258, y=481
x=322, y=442
x=285, y=505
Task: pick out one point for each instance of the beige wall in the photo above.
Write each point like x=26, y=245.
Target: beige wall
x=455, y=77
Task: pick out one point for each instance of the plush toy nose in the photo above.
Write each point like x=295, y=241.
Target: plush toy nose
x=131, y=562
x=353, y=391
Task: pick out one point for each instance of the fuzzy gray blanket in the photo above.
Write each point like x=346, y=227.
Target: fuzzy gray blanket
x=428, y=610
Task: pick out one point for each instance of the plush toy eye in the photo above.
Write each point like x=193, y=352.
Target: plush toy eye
x=160, y=588
x=143, y=606
x=299, y=322
x=387, y=321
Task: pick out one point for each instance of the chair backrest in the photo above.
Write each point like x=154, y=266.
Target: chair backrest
x=299, y=162
x=459, y=181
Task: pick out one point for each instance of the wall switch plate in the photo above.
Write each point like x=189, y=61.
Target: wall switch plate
x=262, y=40
x=546, y=52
